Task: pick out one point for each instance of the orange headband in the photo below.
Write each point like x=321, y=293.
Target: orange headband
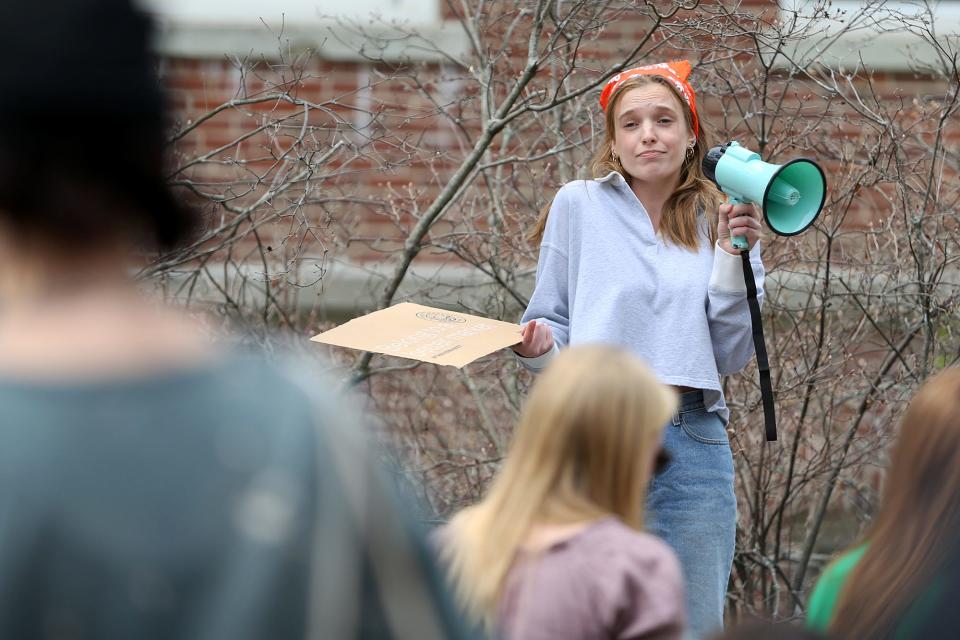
x=675, y=72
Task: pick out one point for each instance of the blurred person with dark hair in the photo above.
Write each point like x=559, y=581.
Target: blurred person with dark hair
x=890, y=584
x=153, y=484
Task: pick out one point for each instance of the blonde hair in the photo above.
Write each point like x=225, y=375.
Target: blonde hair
x=583, y=449
x=914, y=532
x=694, y=193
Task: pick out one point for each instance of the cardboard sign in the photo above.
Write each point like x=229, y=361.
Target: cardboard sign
x=417, y=332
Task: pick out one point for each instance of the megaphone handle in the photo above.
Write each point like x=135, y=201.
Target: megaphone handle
x=738, y=242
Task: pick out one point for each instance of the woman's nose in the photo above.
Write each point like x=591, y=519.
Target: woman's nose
x=647, y=133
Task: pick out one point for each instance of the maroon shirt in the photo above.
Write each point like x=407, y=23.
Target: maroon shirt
x=606, y=581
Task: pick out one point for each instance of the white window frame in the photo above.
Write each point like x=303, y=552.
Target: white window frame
x=212, y=29
x=246, y=12
x=882, y=47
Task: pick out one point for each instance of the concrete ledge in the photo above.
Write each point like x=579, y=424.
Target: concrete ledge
x=348, y=290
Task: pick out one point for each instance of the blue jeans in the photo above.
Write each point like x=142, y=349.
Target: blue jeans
x=691, y=506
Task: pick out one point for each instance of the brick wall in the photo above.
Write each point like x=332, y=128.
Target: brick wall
x=398, y=152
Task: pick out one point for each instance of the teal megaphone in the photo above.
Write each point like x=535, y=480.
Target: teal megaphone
x=791, y=195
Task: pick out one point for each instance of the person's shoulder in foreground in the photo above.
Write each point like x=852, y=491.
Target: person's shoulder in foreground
x=826, y=593
x=608, y=580
x=238, y=483
x=362, y=512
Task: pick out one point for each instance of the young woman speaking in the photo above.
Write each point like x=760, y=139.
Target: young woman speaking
x=640, y=257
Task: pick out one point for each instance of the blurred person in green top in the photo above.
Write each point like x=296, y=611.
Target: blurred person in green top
x=890, y=583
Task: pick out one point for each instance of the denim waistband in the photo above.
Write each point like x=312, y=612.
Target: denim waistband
x=691, y=401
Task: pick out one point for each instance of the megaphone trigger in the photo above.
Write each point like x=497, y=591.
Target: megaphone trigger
x=739, y=242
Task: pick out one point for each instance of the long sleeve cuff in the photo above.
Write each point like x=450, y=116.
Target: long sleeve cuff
x=727, y=274
x=538, y=363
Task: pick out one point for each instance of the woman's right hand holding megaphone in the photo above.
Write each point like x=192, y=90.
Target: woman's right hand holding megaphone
x=737, y=220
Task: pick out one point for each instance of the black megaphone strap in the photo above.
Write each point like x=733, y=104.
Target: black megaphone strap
x=760, y=346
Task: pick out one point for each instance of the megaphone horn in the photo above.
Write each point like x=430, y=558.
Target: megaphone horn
x=791, y=195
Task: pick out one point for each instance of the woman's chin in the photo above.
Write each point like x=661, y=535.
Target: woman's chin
x=655, y=175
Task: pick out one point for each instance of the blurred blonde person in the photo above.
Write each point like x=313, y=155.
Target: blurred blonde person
x=556, y=549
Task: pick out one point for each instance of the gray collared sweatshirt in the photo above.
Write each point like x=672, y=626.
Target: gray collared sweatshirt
x=605, y=276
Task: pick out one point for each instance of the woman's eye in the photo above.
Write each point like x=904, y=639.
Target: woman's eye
x=665, y=121
x=629, y=125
